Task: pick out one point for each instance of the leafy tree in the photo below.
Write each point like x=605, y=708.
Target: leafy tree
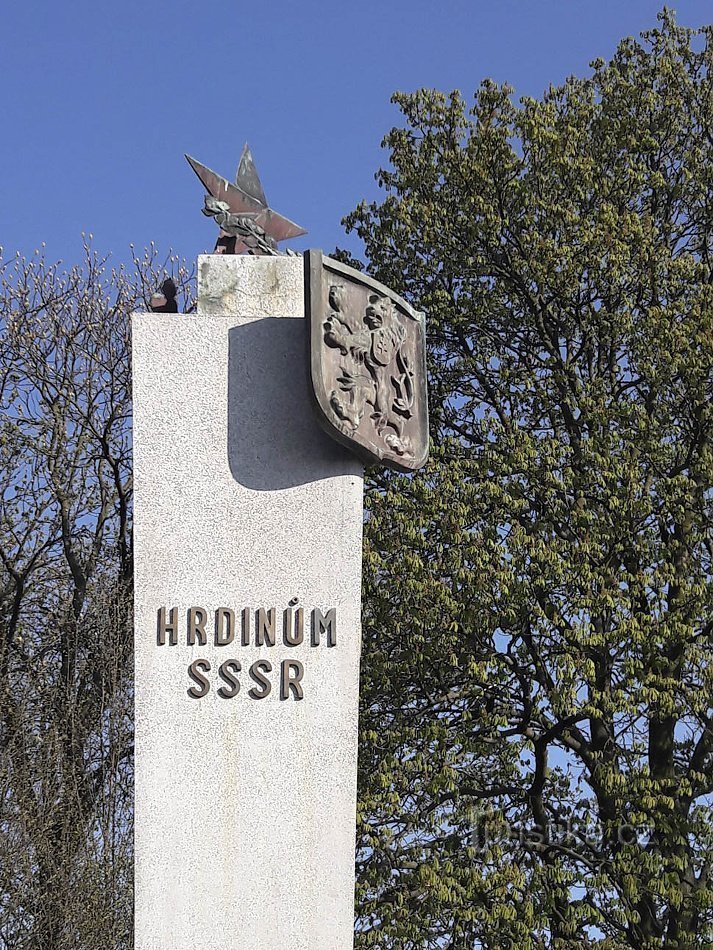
x=66, y=733
x=537, y=747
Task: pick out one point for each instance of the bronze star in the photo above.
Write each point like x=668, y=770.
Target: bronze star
x=245, y=197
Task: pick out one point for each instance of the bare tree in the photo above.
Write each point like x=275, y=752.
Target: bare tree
x=66, y=598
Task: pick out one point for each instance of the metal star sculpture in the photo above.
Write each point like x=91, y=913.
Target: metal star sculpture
x=246, y=221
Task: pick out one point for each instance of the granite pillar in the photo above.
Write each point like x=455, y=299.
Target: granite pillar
x=248, y=527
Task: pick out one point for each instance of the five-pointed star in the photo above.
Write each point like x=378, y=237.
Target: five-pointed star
x=247, y=196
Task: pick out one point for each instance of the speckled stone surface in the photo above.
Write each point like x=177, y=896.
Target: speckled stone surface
x=245, y=807
x=264, y=286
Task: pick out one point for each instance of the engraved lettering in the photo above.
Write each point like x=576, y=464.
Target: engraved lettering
x=170, y=628
x=324, y=624
x=257, y=674
x=290, y=683
x=245, y=631
x=265, y=624
x=196, y=626
x=227, y=673
x=196, y=671
x=224, y=626
x=258, y=628
x=293, y=629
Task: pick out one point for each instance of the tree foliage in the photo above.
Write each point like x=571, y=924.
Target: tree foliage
x=537, y=747
x=66, y=718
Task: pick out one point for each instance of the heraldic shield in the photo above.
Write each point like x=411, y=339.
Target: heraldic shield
x=367, y=364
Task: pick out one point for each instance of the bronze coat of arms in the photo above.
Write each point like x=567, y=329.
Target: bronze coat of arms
x=367, y=363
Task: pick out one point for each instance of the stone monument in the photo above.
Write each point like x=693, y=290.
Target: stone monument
x=248, y=522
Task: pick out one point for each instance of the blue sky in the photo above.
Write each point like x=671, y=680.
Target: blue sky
x=101, y=101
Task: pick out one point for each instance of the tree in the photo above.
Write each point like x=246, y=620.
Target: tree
x=537, y=747
x=66, y=730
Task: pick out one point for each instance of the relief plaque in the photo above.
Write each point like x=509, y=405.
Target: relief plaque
x=367, y=364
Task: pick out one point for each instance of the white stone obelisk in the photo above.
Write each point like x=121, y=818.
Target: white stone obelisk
x=248, y=523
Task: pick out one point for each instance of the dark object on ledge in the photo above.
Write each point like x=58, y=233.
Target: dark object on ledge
x=259, y=228
x=164, y=301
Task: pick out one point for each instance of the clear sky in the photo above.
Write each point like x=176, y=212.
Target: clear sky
x=100, y=101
